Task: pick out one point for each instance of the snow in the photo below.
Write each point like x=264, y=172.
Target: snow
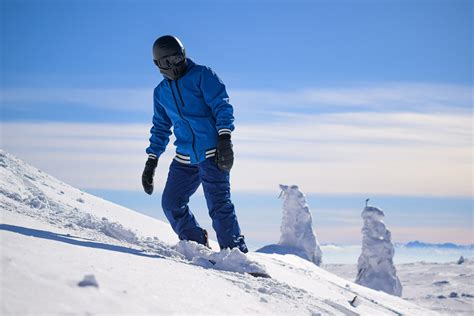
x=297, y=234
x=375, y=266
x=430, y=284
x=131, y=263
x=226, y=260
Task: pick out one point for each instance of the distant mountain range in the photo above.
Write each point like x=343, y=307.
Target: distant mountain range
x=419, y=244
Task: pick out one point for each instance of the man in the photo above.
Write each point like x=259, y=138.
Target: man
x=193, y=100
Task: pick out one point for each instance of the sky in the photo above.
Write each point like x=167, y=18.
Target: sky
x=347, y=99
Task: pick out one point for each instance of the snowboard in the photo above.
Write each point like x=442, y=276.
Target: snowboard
x=254, y=274
x=232, y=260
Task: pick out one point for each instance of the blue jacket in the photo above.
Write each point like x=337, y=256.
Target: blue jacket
x=197, y=107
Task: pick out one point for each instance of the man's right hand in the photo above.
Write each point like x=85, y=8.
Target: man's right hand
x=148, y=173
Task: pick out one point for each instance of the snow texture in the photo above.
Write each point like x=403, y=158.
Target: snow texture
x=297, y=234
x=375, y=266
x=226, y=260
x=51, y=233
x=430, y=284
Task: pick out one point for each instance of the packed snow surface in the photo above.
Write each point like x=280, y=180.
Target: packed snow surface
x=226, y=260
x=375, y=266
x=67, y=252
x=447, y=288
x=297, y=234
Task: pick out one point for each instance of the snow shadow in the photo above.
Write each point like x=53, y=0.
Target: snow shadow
x=72, y=240
x=283, y=250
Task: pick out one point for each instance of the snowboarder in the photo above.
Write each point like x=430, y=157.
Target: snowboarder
x=193, y=100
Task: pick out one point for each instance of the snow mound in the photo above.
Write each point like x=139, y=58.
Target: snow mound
x=284, y=250
x=111, y=229
x=375, y=266
x=226, y=260
x=297, y=234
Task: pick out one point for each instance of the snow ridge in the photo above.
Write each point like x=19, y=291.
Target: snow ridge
x=29, y=191
x=21, y=190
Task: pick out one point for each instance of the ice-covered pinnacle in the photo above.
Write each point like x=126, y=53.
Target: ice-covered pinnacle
x=297, y=224
x=374, y=227
x=375, y=265
x=374, y=213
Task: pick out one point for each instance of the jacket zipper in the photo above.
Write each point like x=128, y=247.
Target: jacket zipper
x=181, y=115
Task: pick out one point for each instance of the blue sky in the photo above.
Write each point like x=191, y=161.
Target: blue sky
x=347, y=99
x=252, y=44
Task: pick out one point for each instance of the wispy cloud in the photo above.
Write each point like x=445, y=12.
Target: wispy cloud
x=391, y=153
x=385, y=96
x=118, y=99
x=434, y=234
x=267, y=104
x=409, y=139
x=396, y=128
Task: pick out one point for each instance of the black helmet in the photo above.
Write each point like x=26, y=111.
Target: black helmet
x=170, y=57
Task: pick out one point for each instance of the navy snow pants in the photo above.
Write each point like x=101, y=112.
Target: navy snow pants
x=183, y=181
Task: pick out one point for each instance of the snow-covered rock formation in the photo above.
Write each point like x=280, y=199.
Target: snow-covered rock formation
x=375, y=266
x=297, y=234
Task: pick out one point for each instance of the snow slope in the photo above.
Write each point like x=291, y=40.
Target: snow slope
x=65, y=251
x=444, y=287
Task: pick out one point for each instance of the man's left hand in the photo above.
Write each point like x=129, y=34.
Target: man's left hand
x=224, y=153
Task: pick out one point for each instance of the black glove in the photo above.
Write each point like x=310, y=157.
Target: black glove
x=224, y=153
x=148, y=173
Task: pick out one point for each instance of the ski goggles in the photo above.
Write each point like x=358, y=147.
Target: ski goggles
x=168, y=62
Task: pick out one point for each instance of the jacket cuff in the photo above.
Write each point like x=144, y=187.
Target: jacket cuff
x=224, y=131
x=152, y=156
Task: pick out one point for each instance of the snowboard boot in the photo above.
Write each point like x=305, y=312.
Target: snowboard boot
x=206, y=239
x=240, y=243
